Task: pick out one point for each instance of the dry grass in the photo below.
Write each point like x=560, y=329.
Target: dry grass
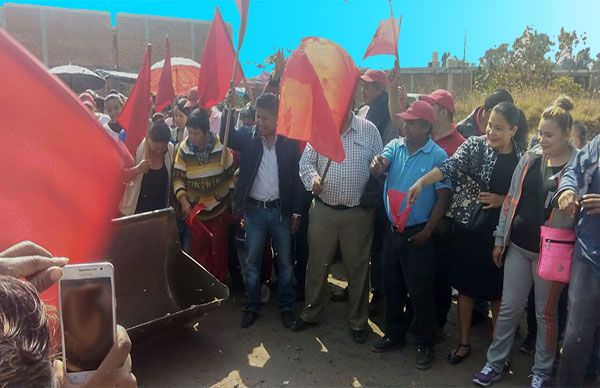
x=533, y=103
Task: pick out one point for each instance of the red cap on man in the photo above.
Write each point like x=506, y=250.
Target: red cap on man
x=192, y=98
x=377, y=76
x=442, y=98
x=418, y=110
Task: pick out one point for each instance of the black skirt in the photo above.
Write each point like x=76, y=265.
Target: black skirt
x=473, y=271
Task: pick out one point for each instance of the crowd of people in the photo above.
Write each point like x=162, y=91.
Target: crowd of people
x=421, y=207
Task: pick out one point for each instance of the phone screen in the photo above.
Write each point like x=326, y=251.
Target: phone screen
x=87, y=318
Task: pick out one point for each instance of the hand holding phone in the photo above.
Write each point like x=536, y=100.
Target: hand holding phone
x=114, y=371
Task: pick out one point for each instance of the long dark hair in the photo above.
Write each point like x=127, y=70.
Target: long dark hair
x=159, y=130
x=514, y=116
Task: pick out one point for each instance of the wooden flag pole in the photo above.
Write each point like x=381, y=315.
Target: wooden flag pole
x=229, y=110
x=225, y=139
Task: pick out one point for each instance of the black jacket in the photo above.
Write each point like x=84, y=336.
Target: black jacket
x=468, y=127
x=249, y=143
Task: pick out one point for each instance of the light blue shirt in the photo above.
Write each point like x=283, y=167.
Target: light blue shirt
x=405, y=169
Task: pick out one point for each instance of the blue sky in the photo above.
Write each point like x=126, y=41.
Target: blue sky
x=428, y=25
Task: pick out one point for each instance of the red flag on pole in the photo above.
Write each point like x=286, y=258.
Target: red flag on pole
x=317, y=88
x=216, y=66
x=385, y=40
x=165, y=94
x=61, y=172
x=242, y=6
x=135, y=114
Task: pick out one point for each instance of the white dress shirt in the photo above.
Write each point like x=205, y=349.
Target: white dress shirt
x=266, y=182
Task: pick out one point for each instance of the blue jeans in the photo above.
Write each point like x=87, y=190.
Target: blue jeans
x=582, y=322
x=260, y=222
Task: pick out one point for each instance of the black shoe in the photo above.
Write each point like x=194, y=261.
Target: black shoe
x=359, y=336
x=376, y=305
x=340, y=296
x=528, y=345
x=424, y=357
x=301, y=325
x=288, y=318
x=387, y=344
x=248, y=318
x=455, y=358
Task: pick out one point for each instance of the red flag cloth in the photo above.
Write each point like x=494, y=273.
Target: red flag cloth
x=61, y=172
x=135, y=114
x=317, y=90
x=385, y=40
x=395, y=199
x=165, y=94
x=216, y=67
x=242, y=6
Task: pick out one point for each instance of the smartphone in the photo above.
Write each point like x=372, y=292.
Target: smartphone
x=87, y=317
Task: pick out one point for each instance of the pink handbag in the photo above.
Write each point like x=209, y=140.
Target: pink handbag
x=556, y=253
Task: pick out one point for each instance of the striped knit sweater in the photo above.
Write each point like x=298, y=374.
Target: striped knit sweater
x=210, y=184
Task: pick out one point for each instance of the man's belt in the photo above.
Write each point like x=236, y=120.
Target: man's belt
x=264, y=204
x=335, y=207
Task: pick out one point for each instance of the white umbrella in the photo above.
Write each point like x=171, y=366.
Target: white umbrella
x=78, y=78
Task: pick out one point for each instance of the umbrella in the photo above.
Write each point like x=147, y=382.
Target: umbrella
x=184, y=72
x=78, y=78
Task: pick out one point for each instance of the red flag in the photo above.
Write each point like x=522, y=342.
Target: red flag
x=242, y=6
x=61, y=172
x=317, y=89
x=395, y=200
x=216, y=67
x=385, y=40
x=165, y=94
x=135, y=114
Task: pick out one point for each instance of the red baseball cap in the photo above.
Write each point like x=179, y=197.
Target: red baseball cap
x=192, y=98
x=418, y=110
x=442, y=98
x=375, y=76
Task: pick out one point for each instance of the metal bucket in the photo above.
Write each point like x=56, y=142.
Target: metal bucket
x=157, y=284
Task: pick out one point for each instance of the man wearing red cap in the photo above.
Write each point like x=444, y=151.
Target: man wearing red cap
x=375, y=98
x=446, y=136
x=409, y=257
x=444, y=131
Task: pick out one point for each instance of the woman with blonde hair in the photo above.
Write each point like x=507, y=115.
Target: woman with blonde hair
x=526, y=209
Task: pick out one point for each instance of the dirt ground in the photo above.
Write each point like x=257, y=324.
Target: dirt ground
x=216, y=352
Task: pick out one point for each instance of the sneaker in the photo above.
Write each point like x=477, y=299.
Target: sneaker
x=537, y=381
x=528, y=345
x=486, y=376
x=424, y=357
x=387, y=344
x=248, y=318
x=265, y=294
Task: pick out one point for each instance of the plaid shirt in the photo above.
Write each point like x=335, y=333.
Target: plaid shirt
x=346, y=181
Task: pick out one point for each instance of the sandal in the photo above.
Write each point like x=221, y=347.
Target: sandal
x=455, y=358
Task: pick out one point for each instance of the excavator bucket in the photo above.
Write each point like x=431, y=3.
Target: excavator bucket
x=157, y=284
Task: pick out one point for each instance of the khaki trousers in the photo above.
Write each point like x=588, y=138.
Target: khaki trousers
x=353, y=230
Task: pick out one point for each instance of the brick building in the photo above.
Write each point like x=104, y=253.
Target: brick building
x=59, y=36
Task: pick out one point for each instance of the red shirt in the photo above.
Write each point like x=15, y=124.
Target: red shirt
x=450, y=142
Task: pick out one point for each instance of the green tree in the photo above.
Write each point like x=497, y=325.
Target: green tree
x=524, y=64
